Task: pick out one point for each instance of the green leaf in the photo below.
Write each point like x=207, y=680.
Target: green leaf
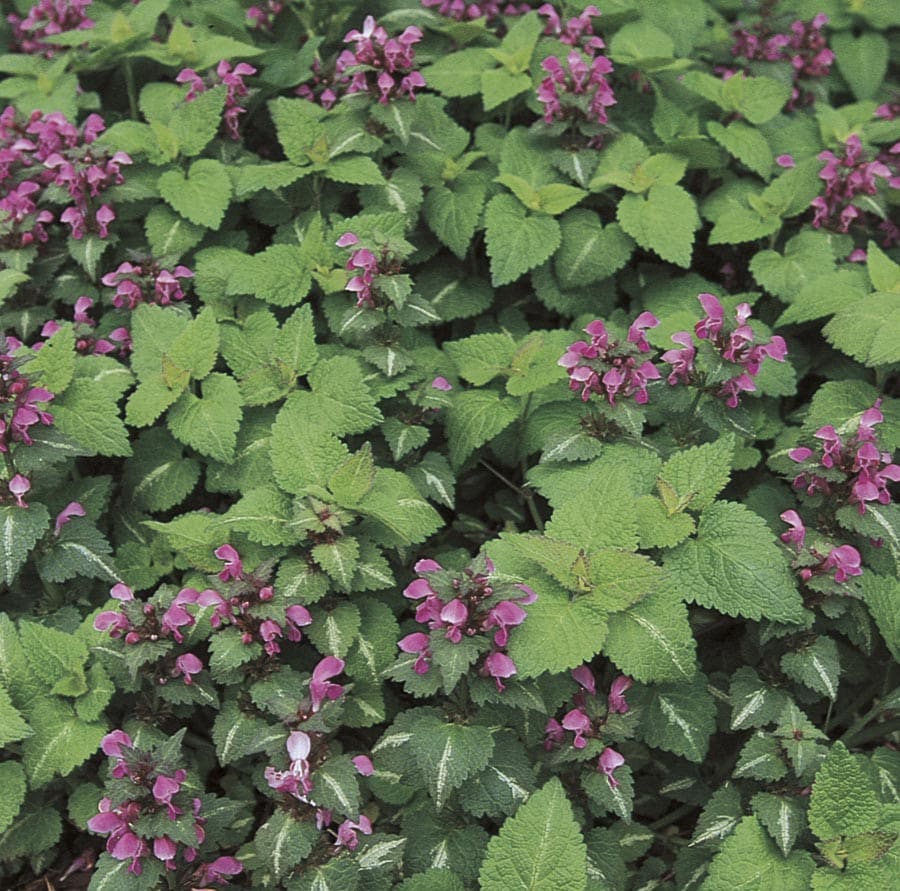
x=89, y=413
x=534, y=365
x=561, y=631
x=664, y=220
x=399, y=512
x=753, y=702
x=589, y=251
x=783, y=817
x=749, y=858
x=758, y=99
x=735, y=566
x=678, y=718
x=202, y=196
x=337, y=786
x=481, y=357
x=194, y=351
x=883, y=271
x=653, y=640
x=236, y=734
x=12, y=789
x=298, y=125
x=434, y=478
x=825, y=295
x=36, y=828
x=504, y=784
x=499, y=85
x=458, y=73
x=474, y=418
x=658, y=528
x=745, y=143
x=209, y=424
x=280, y=275
x=696, y=475
x=10, y=279
x=868, y=330
x=12, y=729
x=60, y=742
x=159, y=475
x=640, y=42
x=540, y=847
x=196, y=123
x=862, y=61
x=20, y=529
x=800, y=740
x=882, y=594
x=843, y=800
x=81, y=549
x=452, y=211
x=516, y=240
x=807, y=256
x=447, y=754
x=263, y=515
x=403, y=437
x=338, y=559
x=816, y=664
x=357, y=170
x=761, y=759
x=282, y=842
x=170, y=235
x=54, y=365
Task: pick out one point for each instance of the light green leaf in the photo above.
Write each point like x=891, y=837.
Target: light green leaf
x=745, y=143
x=516, y=240
x=540, y=847
x=452, y=211
x=735, y=566
x=209, y=424
x=783, y=817
x=653, y=640
x=20, y=529
x=12, y=729
x=816, y=664
x=280, y=275
x=589, y=251
x=89, y=413
x=202, y=196
x=338, y=559
x=481, y=357
x=400, y=513
x=54, y=365
x=282, y=842
x=447, y=754
x=474, y=418
x=843, y=800
x=664, y=220
x=696, y=475
x=678, y=718
x=868, y=330
x=748, y=858
x=862, y=61
x=12, y=789
x=159, y=475
x=883, y=271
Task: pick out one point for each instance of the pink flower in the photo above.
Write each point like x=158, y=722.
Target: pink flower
x=363, y=765
x=19, y=486
x=608, y=762
x=234, y=569
x=320, y=687
x=579, y=722
x=616, y=698
x=346, y=834
x=845, y=560
x=188, y=665
x=417, y=642
x=498, y=665
x=797, y=533
x=585, y=677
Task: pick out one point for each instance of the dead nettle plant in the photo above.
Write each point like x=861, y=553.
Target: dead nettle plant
x=449, y=445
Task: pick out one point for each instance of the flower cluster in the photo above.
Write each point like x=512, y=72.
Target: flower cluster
x=846, y=177
x=262, y=18
x=587, y=718
x=456, y=605
x=47, y=158
x=380, y=65
x=366, y=268
x=854, y=471
x=845, y=560
x=146, y=282
x=461, y=10
x=307, y=751
x=21, y=407
x=119, y=339
x=577, y=31
x=804, y=47
x=734, y=343
x=44, y=19
x=150, y=784
x=610, y=368
x=236, y=91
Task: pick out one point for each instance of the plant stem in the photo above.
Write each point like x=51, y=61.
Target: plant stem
x=131, y=87
x=874, y=732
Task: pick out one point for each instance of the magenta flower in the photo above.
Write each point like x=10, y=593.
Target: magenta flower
x=579, y=722
x=441, y=383
x=219, y=871
x=320, y=686
x=616, y=698
x=188, y=665
x=295, y=618
x=638, y=329
x=112, y=743
x=585, y=677
x=418, y=643
x=845, y=560
x=682, y=361
x=363, y=765
x=609, y=760
x=234, y=569
x=498, y=665
x=164, y=848
x=797, y=533
x=346, y=834
x=19, y=486
x=554, y=734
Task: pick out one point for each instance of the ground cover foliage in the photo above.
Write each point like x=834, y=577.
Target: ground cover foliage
x=449, y=445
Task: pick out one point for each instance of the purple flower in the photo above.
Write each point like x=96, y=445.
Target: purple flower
x=19, y=486
x=363, y=765
x=112, y=743
x=234, y=569
x=188, y=665
x=417, y=642
x=346, y=834
x=682, y=361
x=320, y=686
x=498, y=665
x=797, y=533
x=845, y=560
x=579, y=722
x=219, y=871
x=554, y=734
x=441, y=383
x=295, y=618
x=585, y=677
x=616, y=699
x=636, y=333
x=609, y=760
